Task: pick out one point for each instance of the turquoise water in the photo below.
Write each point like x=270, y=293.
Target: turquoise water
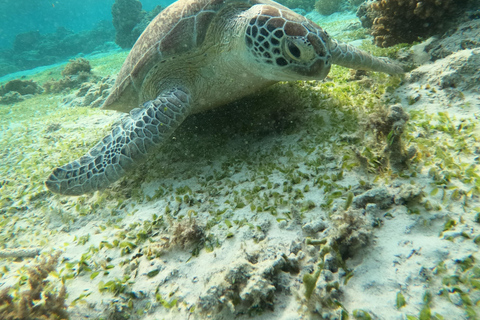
x=46, y=16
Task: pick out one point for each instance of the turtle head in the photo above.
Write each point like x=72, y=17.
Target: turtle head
x=287, y=46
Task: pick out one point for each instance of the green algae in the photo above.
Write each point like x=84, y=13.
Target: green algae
x=317, y=113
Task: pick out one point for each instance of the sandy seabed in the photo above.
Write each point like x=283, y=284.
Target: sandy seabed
x=274, y=208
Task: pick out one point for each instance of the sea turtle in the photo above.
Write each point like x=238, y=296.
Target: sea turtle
x=197, y=55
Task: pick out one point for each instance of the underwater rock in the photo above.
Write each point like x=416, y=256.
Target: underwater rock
x=314, y=226
x=246, y=286
x=407, y=21
x=380, y=196
x=451, y=75
x=7, y=67
x=90, y=94
x=464, y=36
x=408, y=193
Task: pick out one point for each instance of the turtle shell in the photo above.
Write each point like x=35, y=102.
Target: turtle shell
x=180, y=28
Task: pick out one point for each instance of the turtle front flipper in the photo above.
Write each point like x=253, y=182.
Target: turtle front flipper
x=349, y=56
x=125, y=147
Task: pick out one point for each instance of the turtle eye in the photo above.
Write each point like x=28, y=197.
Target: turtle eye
x=298, y=49
x=293, y=51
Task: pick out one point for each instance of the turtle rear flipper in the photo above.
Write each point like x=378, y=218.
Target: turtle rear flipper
x=125, y=147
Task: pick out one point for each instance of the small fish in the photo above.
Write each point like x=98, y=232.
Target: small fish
x=53, y=5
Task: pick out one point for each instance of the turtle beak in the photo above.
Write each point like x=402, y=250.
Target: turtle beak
x=323, y=61
x=321, y=64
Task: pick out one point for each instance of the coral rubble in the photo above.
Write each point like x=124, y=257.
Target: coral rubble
x=91, y=94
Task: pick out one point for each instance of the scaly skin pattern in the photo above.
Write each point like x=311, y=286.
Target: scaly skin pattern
x=349, y=56
x=271, y=44
x=125, y=147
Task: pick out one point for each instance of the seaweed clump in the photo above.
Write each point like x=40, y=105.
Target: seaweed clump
x=23, y=87
x=16, y=90
x=186, y=234
x=389, y=125
x=76, y=66
x=75, y=73
x=406, y=21
x=40, y=302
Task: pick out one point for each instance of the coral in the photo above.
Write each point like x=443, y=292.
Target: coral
x=351, y=231
x=327, y=7
x=406, y=21
x=68, y=82
x=76, y=66
x=126, y=15
x=40, y=302
x=186, y=234
x=366, y=14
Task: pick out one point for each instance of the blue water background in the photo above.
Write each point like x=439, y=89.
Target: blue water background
x=17, y=16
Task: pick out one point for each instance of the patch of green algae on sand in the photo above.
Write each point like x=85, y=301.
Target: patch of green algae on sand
x=284, y=156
